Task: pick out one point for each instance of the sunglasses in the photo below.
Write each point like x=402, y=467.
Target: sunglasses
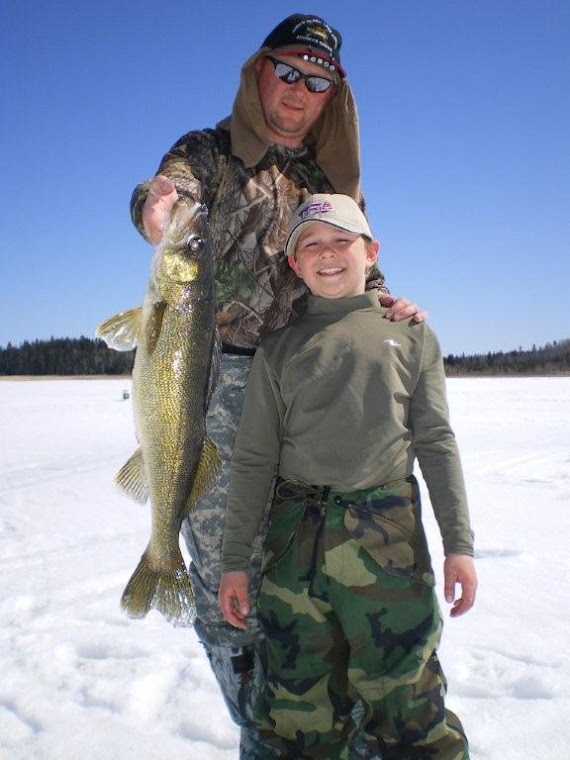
x=290, y=75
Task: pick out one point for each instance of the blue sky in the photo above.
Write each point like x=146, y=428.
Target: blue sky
x=465, y=115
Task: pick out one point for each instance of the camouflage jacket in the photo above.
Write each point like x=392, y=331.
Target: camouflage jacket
x=250, y=209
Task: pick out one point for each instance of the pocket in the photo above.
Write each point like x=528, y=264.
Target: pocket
x=239, y=675
x=388, y=526
x=286, y=513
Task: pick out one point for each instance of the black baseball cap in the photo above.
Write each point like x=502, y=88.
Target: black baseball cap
x=309, y=37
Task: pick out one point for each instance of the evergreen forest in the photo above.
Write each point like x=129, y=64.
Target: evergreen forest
x=86, y=356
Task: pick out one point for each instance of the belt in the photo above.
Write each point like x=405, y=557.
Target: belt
x=319, y=494
x=237, y=350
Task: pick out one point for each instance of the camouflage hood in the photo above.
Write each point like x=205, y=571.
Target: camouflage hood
x=335, y=136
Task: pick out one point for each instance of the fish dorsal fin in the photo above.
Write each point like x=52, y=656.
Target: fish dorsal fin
x=131, y=478
x=206, y=473
x=122, y=331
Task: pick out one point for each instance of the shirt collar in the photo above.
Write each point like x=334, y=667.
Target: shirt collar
x=320, y=305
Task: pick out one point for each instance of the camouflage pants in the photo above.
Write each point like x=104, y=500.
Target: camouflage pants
x=233, y=654
x=349, y=611
x=204, y=528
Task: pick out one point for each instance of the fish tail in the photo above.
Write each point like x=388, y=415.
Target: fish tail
x=168, y=591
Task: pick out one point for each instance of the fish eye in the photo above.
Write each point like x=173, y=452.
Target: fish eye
x=196, y=244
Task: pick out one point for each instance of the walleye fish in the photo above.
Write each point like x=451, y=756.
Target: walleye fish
x=174, y=374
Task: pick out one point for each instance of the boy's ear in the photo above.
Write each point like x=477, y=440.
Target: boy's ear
x=293, y=264
x=372, y=251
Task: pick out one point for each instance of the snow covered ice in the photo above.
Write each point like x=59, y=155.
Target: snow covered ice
x=79, y=679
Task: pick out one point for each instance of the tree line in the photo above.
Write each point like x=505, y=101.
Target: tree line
x=87, y=356
x=65, y=356
x=551, y=359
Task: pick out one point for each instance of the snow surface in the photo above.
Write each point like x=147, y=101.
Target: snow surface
x=78, y=679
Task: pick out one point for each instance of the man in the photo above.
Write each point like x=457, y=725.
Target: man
x=293, y=132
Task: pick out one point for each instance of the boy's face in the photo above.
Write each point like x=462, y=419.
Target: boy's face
x=332, y=262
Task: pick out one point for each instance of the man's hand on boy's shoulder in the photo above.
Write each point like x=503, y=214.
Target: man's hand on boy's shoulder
x=232, y=597
x=459, y=568
x=401, y=308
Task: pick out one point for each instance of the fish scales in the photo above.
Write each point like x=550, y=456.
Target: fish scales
x=174, y=374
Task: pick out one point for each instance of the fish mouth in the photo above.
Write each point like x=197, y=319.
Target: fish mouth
x=197, y=208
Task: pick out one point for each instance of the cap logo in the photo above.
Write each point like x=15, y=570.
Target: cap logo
x=317, y=31
x=318, y=207
x=313, y=32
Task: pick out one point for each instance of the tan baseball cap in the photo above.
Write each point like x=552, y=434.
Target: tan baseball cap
x=338, y=210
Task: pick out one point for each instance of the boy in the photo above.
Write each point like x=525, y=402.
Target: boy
x=338, y=405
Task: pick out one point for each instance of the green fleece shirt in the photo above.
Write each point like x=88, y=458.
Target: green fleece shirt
x=348, y=399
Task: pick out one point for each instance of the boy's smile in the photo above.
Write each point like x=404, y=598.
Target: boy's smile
x=333, y=262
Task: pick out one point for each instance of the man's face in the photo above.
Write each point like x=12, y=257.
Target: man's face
x=290, y=110
x=331, y=261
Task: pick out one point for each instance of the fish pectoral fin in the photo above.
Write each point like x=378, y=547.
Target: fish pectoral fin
x=206, y=473
x=167, y=590
x=214, y=368
x=122, y=331
x=153, y=325
x=131, y=478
